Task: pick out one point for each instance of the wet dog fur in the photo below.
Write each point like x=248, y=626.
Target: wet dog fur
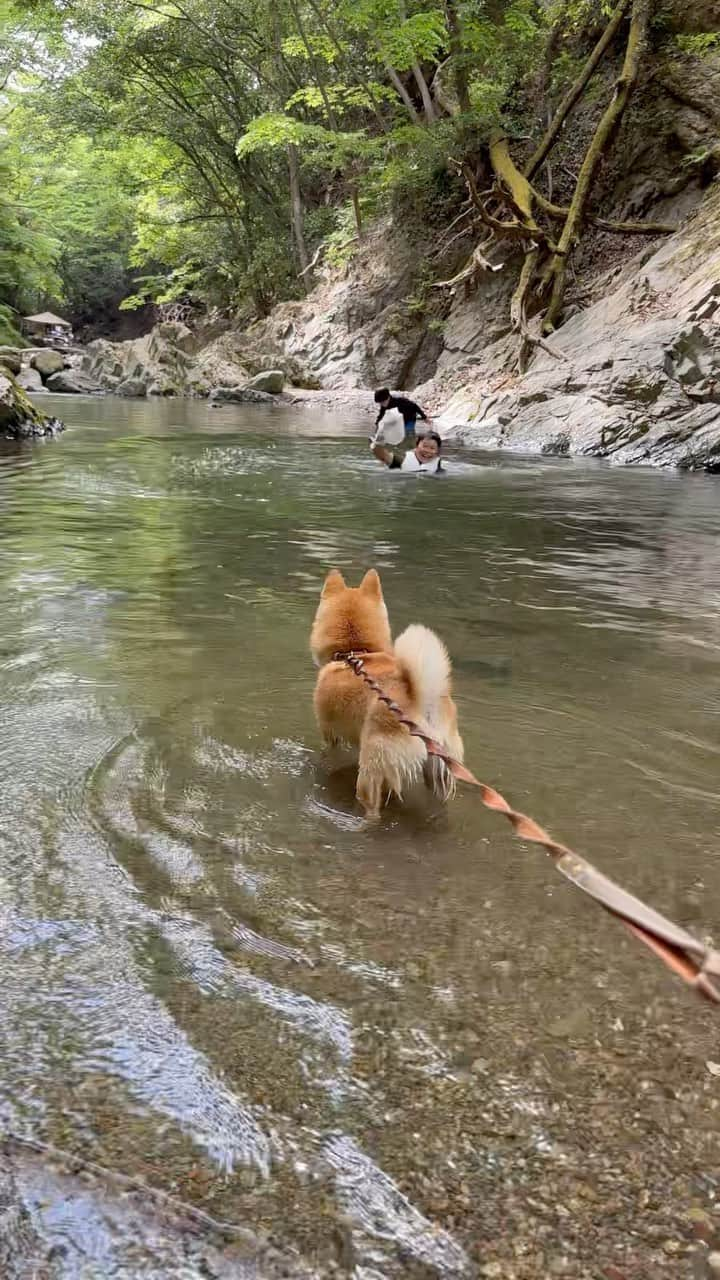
x=415, y=672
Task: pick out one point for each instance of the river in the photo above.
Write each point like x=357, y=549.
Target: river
x=404, y=1051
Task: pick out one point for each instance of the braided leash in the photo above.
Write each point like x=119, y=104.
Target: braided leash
x=694, y=962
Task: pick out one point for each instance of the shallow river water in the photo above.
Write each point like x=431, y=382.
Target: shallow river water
x=406, y=1051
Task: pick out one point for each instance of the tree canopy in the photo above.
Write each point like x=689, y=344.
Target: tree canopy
x=205, y=151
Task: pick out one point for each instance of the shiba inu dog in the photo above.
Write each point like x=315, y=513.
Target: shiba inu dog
x=415, y=672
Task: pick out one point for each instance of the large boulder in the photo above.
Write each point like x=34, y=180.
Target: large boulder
x=157, y=363
x=11, y=359
x=47, y=363
x=162, y=388
x=239, y=395
x=175, y=333
x=29, y=379
x=102, y=360
x=72, y=382
x=20, y=419
x=132, y=388
x=271, y=381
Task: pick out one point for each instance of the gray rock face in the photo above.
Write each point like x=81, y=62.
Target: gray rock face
x=162, y=389
x=29, y=379
x=271, y=381
x=11, y=359
x=72, y=382
x=173, y=333
x=637, y=374
x=157, y=364
x=47, y=363
x=132, y=388
x=240, y=395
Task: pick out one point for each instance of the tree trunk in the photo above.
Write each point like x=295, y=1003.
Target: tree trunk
x=402, y=92
x=610, y=119
x=319, y=77
x=354, y=68
x=297, y=215
x=420, y=80
x=456, y=52
x=356, y=209
x=425, y=94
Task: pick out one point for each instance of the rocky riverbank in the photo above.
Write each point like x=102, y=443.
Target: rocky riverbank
x=634, y=376
x=20, y=419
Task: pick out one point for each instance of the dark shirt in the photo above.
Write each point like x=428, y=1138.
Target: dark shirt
x=409, y=410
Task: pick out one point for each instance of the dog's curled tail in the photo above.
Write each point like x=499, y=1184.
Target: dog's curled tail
x=424, y=662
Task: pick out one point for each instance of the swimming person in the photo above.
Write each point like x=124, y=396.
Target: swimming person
x=425, y=457
x=410, y=411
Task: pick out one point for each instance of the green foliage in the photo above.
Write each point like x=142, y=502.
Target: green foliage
x=27, y=251
x=700, y=44
x=9, y=335
x=422, y=37
x=162, y=152
x=341, y=243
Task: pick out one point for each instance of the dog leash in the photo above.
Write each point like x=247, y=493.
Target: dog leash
x=690, y=959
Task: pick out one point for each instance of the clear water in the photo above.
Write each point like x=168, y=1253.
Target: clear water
x=411, y=1050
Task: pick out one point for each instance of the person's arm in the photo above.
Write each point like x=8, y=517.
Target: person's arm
x=383, y=455
x=381, y=415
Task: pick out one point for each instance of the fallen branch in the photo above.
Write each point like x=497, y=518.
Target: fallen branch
x=311, y=265
x=443, y=249
x=476, y=263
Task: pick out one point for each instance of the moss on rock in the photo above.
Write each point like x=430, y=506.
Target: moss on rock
x=20, y=419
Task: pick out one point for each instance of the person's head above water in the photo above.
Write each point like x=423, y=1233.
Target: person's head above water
x=382, y=396
x=428, y=447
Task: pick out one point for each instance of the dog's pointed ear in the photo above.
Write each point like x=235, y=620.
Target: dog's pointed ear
x=370, y=584
x=333, y=583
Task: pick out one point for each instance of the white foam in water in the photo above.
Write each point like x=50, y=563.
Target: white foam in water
x=380, y=1211
x=140, y=1042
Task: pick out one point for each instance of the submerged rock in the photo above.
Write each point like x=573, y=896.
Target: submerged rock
x=239, y=395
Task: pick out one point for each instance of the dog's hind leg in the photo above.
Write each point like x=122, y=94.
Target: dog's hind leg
x=389, y=760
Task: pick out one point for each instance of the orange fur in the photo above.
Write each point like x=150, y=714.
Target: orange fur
x=416, y=674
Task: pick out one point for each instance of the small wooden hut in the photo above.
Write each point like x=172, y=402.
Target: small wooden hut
x=47, y=327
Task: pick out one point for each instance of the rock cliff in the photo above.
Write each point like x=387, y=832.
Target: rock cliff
x=634, y=373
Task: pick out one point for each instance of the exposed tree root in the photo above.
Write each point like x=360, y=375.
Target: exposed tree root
x=476, y=264
x=537, y=302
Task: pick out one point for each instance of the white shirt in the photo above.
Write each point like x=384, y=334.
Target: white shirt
x=411, y=462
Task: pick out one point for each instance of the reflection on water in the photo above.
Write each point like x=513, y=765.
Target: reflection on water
x=406, y=1051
